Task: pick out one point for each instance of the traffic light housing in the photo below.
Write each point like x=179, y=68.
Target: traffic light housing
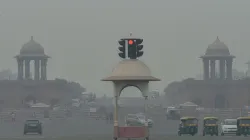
x=139, y=48
x=131, y=49
x=122, y=49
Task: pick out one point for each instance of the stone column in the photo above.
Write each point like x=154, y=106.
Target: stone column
x=205, y=69
x=20, y=69
x=212, y=69
x=222, y=69
x=37, y=70
x=44, y=69
x=146, y=110
x=27, y=69
x=229, y=64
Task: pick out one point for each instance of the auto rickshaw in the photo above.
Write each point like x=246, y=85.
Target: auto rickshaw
x=243, y=126
x=188, y=125
x=210, y=126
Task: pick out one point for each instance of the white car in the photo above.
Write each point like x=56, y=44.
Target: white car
x=137, y=120
x=229, y=126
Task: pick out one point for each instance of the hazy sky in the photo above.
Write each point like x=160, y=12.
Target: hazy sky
x=81, y=35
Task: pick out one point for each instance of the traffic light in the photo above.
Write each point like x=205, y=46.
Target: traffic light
x=139, y=48
x=131, y=49
x=122, y=49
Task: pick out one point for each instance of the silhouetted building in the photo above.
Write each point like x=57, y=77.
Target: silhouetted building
x=213, y=91
x=217, y=52
x=32, y=51
x=14, y=93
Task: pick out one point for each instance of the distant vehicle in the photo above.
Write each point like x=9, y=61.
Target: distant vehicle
x=173, y=113
x=229, y=126
x=210, y=126
x=137, y=120
x=32, y=126
x=243, y=126
x=188, y=125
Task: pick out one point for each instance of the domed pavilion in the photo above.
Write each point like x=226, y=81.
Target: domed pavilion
x=134, y=70
x=217, y=52
x=32, y=51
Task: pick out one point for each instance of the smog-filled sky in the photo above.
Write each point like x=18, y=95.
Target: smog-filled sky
x=81, y=35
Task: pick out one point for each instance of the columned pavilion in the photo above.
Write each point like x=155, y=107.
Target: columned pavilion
x=32, y=52
x=217, y=52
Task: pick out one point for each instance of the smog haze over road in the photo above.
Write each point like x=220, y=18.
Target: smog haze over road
x=81, y=37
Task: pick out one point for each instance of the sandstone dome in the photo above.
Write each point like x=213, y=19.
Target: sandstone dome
x=130, y=69
x=217, y=48
x=32, y=48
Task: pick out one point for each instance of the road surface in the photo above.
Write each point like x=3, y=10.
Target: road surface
x=81, y=127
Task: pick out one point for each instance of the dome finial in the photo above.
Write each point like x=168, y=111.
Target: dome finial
x=217, y=39
x=31, y=38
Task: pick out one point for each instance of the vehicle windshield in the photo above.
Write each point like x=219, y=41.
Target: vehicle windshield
x=132, y=116
x=141, y=117
x=193, y=121
x=230, y=122
x=173, y=111
x=211, y=121
x=32, y=121
x=244, y=121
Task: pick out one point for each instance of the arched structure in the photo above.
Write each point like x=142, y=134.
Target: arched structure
x=131, y=72
x=32, y=51
x=217, y=51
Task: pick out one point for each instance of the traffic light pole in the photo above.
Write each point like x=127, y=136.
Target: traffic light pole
x=126, y=49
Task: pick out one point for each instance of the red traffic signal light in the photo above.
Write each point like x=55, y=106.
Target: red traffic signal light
x=130, y=42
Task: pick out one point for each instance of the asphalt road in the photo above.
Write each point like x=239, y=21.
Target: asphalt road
x=81, y=127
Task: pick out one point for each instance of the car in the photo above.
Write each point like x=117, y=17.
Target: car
x=32, y=126
x=137, y=120
x=173, y=113
x=229, y=126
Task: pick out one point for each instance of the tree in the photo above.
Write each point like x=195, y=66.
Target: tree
x=54, y=101
x=197, y=101
x=30, y=98
x=73, y=87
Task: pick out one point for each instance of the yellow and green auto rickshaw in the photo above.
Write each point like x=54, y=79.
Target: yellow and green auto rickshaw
x=188, y=125
x=210, y=126
x=243, y=126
